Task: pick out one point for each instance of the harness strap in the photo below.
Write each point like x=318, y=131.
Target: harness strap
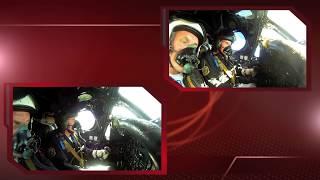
x=74, y=153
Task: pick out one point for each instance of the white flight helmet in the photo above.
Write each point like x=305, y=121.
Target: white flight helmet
x=25, y=103
x=184, y=25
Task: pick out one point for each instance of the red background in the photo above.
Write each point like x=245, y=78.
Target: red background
x=255, y=122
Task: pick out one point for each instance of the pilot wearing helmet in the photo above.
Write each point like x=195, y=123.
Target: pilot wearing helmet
x=26, y=144
x=68, y=149
x=216, y=66
x=185, y=38
x=23, y=109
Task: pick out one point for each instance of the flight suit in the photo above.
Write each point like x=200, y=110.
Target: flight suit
x=67, y=152
x=27, y=151
x=218, y=72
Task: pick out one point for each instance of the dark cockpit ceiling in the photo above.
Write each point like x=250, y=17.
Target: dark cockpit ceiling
x=59, y=100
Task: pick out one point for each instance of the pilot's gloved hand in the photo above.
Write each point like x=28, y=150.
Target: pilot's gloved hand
x=100, y=154
x=248, y=72
x=82, y=148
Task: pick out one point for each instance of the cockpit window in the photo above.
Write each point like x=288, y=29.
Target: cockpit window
x=86, y=119
x=122, y=112
x=245, y=13
x=293, y=25
x=240, y=41
x=257, y=51
x=142, y=99
x=270, y=33
x=107, y=133
x=289, y=29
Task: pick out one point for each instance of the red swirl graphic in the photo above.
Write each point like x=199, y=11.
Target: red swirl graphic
x=197, y=121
